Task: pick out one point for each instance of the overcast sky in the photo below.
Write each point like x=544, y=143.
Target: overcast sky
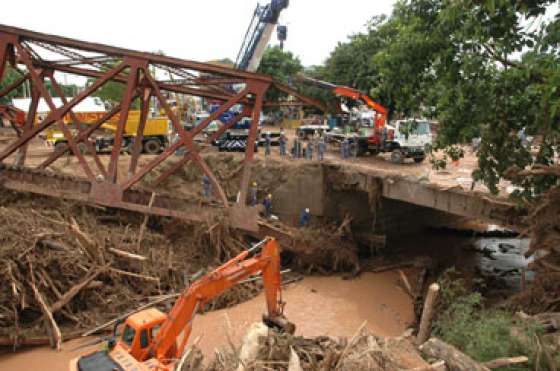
x=200, y=30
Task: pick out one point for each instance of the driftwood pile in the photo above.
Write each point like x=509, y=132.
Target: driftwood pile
x=276, y=351
x=325, y=249
x=67, y=266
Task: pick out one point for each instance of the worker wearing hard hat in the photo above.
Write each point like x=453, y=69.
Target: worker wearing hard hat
x=253, y=194
x=267, y=203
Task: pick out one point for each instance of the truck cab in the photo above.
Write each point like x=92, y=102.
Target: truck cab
x=411, y=139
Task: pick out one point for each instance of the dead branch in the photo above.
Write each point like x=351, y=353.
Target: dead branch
x=128, y=255
x=145, y=221
x=48, y=315
x=132, y=274
x=406, y=283
x=502, y=362
x=70, y=294
x=454, y=359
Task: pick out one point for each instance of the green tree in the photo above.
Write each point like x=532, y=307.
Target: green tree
x=281, y=65
x=10, y=75
x=112, y=92
x=481, y=70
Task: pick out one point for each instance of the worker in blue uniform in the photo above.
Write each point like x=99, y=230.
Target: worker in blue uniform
x=304, y=218
x=206, y=186
x=282, y=143
x=267, y=144
x=253, y=194
x=321, y=147
x=267, y=203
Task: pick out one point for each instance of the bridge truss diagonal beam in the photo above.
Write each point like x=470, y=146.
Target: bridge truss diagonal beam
x=144, y=76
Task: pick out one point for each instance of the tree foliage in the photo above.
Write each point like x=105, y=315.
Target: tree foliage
x=487, y=68
x=281, y=65
x=10, y=76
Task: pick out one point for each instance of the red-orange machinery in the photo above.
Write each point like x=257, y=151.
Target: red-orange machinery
x=153, y=340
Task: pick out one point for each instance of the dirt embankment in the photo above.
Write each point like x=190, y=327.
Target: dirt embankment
x=228, y=168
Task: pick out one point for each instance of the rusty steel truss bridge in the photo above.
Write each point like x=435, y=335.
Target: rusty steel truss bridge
x=37, y=57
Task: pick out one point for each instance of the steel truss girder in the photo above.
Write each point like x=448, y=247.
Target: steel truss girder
x=135, y=70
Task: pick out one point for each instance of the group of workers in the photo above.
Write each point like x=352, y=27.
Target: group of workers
x=253, y=200
x=348, y=148
x=299, y=149
x=267, y=204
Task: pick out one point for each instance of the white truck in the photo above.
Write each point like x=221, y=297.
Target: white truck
x=409, y=138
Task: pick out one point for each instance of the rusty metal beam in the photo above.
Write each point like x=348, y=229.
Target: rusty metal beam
x=23, y=34
x=58, y=114
x=123, y=117
x=205, y=80
x=38, y=83
x=14, y=85
x=138, y=139
x=187, y=139
x=29, y=120
x=91, y=148
x=258, y=89
x=81, y=137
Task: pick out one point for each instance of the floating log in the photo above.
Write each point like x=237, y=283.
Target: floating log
x=406, y=283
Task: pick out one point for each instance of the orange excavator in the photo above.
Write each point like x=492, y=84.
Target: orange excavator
x=153, y=340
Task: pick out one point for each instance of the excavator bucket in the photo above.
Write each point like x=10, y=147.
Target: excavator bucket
x=279, y=323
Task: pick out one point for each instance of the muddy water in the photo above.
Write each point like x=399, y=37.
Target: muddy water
x=317, y=305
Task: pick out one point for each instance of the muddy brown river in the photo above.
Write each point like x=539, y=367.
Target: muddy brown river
x=317, y=305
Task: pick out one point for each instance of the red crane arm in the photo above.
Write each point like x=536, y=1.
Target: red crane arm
x=346, y=91
x=213, y=284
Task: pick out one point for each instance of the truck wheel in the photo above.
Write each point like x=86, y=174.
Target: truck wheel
x=419, y=159
x=397, y=157
x=152, y=146
x=60, y=145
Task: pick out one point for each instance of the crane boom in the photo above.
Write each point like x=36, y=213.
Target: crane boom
x=345, y=91
x=258, y=34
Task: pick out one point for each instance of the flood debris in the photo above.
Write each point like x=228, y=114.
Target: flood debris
x=324, y=249
x=265, y=349
x=543, y=295
x=69, y=267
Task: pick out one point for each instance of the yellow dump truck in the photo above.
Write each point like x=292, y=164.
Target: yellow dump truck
x=156, y=132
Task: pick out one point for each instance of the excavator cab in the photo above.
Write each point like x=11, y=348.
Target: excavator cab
x=139, y=331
